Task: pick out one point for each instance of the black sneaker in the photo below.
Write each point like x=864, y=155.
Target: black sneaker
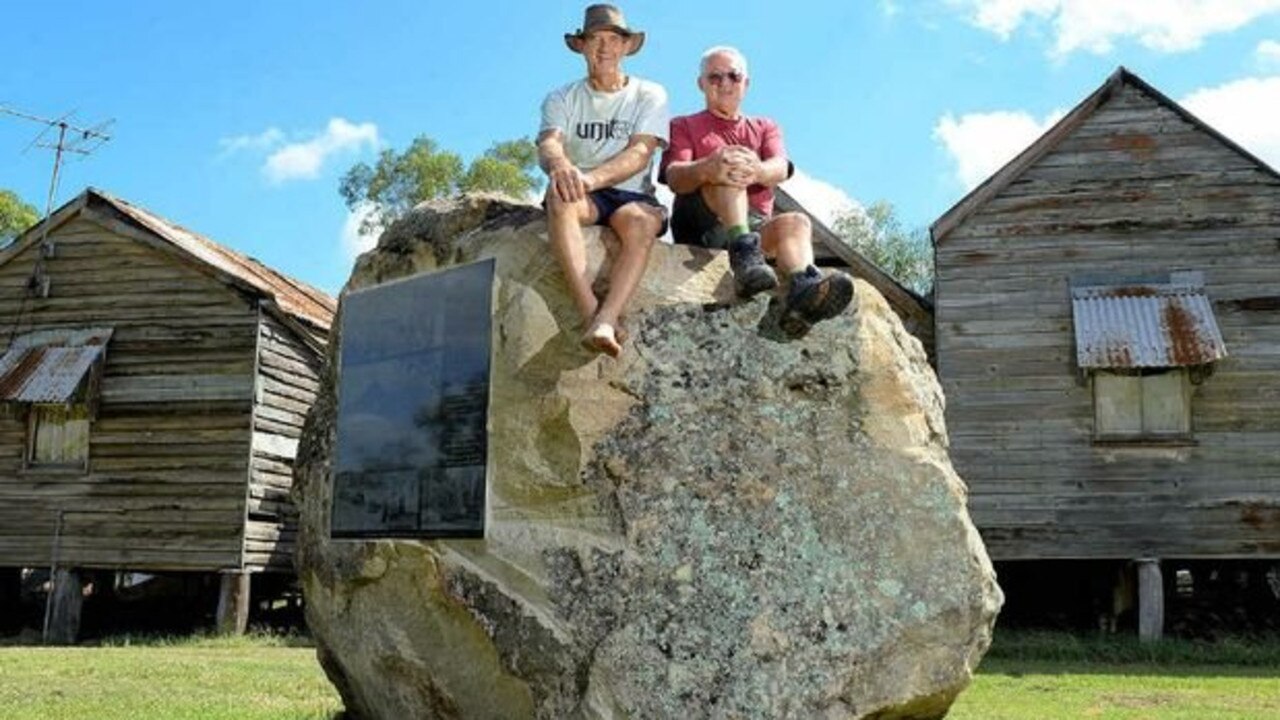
x=751, y=274
x=813, y=297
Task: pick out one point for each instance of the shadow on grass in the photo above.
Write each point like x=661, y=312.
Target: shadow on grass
x=1236, y=656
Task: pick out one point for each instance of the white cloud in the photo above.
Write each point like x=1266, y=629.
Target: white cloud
x=1268, y=55
x=1243, y=110
x=981, y=143
x=354, y=241
x=1095, y=25
x=303, y=160
x=890, y=8
x=263, y=141
x=824, y=200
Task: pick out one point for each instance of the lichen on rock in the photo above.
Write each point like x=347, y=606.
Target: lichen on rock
x=722, y=524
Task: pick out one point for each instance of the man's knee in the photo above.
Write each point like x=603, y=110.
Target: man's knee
x=558, y=209
x=637, y=223
x=792, y=224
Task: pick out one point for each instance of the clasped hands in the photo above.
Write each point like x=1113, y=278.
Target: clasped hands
x=734, y=165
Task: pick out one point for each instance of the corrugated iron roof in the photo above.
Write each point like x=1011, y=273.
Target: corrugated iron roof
x=1144, y=325
x=45, y=374
x=293, y=296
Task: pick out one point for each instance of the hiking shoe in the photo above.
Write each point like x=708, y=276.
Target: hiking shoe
x=813, y=297
x=751, y=274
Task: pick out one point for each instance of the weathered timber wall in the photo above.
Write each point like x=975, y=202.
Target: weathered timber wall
x=169, y=450
x=288, y=379
x=1136, y=188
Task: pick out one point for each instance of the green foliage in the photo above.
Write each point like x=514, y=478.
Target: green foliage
x=424, y=171
x=877, y=234
x=15, y=216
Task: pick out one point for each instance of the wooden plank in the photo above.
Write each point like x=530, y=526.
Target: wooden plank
x=275, y=446
x=169, y=388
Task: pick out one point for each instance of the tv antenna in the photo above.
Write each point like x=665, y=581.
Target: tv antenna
x=83, y=141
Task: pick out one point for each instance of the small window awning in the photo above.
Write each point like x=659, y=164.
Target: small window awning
x=1144, y=325
x=50, y=366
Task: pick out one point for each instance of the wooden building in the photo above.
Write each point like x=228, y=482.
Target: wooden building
x=1108, y=337
x=153, y=386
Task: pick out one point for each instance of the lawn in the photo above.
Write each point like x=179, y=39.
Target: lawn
x=1025, y=676
x=1010, y=690
x=198, y=679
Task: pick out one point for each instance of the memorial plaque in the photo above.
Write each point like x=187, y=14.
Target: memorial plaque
x=413, y=407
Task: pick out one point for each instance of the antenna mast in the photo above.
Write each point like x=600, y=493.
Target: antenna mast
x=83, y=142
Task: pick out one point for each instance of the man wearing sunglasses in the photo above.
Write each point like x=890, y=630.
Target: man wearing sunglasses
x=722, y=166
x=596, y=144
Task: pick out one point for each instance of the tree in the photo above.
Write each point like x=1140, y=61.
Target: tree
x=15, y=216
x=424, y=171
x=877, y=234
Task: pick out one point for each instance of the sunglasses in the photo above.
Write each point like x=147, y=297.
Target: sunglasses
x=733, y=76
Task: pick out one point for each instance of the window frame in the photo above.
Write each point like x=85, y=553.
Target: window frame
x=76, y=466
x=1146, y=433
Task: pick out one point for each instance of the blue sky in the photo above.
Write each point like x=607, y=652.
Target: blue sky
x=236, y=119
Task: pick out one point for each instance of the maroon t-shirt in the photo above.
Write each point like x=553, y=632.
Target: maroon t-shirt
x=694, y=137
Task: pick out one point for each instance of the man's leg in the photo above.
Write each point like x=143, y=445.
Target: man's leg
x=728, y=202
x=564, y=229
x=810, y=297
x=636, y=224
x=788, y=238
x=751, y=274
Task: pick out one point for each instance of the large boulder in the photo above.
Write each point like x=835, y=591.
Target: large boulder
x=723, y=523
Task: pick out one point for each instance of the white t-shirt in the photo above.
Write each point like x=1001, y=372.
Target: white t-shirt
x=598, y=125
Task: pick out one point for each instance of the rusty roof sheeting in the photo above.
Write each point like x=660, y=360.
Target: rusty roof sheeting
x=293, y=296
x=45, y=374
x=1144, y=325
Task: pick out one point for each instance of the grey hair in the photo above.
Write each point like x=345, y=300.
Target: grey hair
x=738, y=58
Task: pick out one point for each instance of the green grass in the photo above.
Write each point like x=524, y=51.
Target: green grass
x=1031, y=676
x=1048, y=690
x=203, y=678
x=1051, y=676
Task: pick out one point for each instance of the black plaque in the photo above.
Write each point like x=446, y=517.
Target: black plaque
x=413, y=407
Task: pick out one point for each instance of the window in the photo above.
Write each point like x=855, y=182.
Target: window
x=1147, y=404
x=58, y=437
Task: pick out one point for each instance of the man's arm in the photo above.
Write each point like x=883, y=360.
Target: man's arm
x=686, y=177
x=773, y=166
x=631, y=160
x=565, y=180
x=772, y=172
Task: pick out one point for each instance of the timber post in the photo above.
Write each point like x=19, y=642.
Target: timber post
x=66, y=598
x=233, y=603
x=1150, y=600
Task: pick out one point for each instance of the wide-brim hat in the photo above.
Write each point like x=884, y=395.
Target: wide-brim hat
x=604, y=17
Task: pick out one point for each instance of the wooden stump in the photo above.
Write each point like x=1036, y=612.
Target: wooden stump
x=1150, y=600
x=66, y=598
x=233, y=603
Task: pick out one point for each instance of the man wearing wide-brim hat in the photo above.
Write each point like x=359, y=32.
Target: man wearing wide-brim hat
x=597, y=142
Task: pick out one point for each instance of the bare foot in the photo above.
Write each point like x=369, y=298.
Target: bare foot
x=601, y=338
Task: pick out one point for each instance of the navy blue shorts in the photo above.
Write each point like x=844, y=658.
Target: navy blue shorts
x=608, y=200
